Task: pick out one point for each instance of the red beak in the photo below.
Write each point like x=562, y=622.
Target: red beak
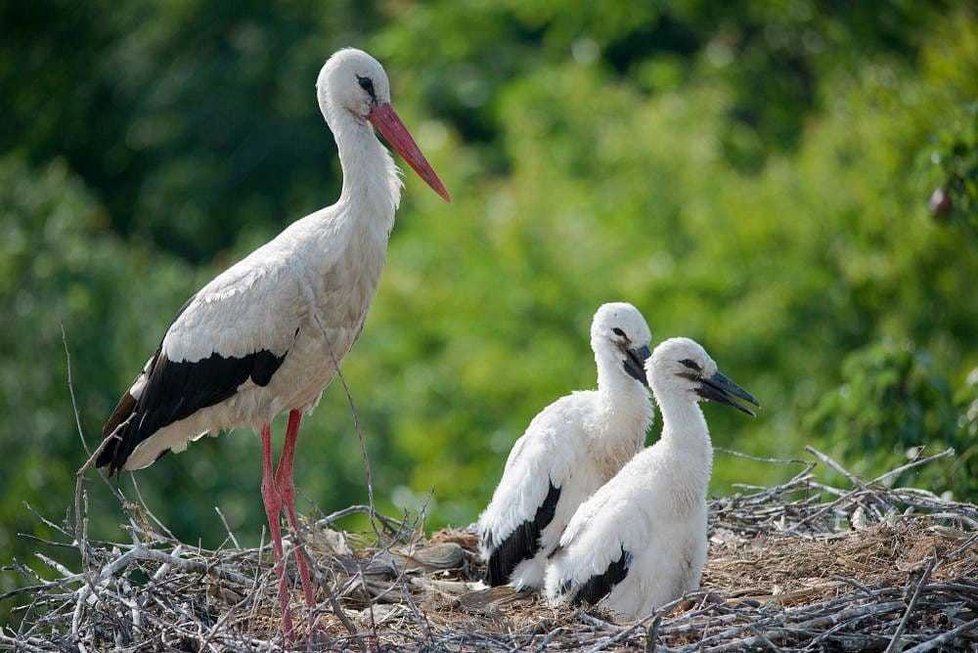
x=385, y=120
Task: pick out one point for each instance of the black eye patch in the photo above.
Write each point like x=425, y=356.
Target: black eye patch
x=618, y=332
x=690, y=364
x=367, y=84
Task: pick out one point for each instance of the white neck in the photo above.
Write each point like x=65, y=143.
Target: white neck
x=686, y=435
x=371, y=183
x=613, y=380
x=625, y=413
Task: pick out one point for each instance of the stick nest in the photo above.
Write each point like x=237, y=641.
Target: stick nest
x=803, y=566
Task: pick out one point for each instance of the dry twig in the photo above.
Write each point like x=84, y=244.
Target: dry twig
x=788, y=568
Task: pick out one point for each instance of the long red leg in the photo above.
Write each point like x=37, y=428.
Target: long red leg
x=273, y=509
x=286, y=488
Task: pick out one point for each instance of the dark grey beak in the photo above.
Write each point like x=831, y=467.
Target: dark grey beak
x=634, y=363
x=722, y=390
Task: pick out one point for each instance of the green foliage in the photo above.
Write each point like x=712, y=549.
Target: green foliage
x=754, y=176
x=179, y=115
x=957, y=156
x=60, y=269
x=894, y=404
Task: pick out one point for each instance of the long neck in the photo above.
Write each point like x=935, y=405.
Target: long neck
x=371, y=184
x=684, y=431
x=625, y=412
x=613, y=381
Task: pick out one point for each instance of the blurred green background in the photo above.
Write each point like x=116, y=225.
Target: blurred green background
x=755, y=176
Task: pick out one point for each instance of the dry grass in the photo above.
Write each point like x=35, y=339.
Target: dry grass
x=802, y=566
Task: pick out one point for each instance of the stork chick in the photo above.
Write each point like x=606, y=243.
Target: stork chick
x=569, y=450
x=641, y=540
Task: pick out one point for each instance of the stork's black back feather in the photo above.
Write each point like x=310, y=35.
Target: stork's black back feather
x=523, y=543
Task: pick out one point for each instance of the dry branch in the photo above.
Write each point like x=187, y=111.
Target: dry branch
x=803, y=566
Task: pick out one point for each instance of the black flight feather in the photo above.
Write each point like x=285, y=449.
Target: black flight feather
x=175, y=391
x=597, y=587
x=523, y=543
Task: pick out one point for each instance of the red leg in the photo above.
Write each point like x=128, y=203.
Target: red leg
x=273, y=509
x=286, y=489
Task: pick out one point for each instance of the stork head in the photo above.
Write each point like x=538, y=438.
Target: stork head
x=681, y=367
x=353, y=82
x=620, y=339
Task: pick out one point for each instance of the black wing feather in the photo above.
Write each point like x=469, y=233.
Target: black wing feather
x=523, y=543
x=176, y=390
x=598, y=587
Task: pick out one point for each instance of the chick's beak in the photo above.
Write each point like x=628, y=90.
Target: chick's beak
x=634, y=363
x=722, y=390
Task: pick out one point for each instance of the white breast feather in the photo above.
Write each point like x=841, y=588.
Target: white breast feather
x=643, y=510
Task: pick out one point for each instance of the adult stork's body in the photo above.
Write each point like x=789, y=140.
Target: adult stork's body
x=641, y=540
x=267, y=335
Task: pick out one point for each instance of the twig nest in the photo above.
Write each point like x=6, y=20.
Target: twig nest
x=447, y=555
x=482, y=600
x=328, y=542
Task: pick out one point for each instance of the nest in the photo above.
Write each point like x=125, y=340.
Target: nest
x=804, y=565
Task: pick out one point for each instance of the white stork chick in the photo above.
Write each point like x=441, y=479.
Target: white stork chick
x=267, y=335
x=641, y=540
x=568, y=451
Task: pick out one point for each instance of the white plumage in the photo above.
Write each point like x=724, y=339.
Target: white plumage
x=568, y=451
x=302, y=296
x=268, y=334
x=641, y=540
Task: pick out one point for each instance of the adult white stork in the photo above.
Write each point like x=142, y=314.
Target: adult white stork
x=267, y=335
x=569, y=450
x=640, y=541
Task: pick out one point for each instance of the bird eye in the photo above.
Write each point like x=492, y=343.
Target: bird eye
x=618, y=332
x=366, y=84
x=691, y=364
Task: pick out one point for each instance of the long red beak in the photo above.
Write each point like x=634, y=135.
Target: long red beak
x=385, y=120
